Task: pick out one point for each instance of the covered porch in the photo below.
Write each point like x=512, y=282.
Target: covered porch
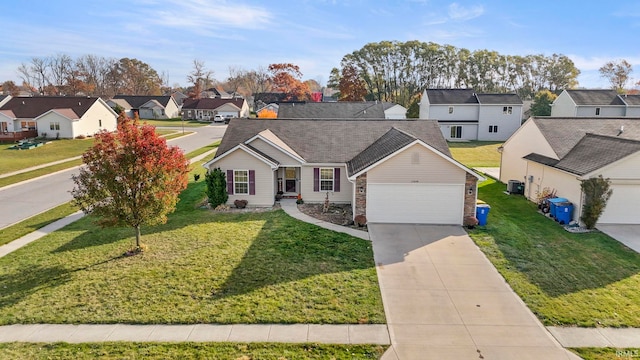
x=288, y=181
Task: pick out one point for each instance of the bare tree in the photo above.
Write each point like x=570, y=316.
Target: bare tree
x=200, y=77
x=60, y=67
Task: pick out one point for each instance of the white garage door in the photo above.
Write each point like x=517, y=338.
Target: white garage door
x=415, y=203
x=623, y=207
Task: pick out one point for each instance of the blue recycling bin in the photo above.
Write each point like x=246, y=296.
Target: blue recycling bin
x=564, y=212
x=552, y=205
x=482, y=211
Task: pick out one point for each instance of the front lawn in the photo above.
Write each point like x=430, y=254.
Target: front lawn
x=13, y=160
x=565, y=279
x=201, y=267
x=476, y=153
x=124, y=350
x=606, y=353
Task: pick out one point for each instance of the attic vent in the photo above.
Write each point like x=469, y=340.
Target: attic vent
x=22, y=102
x=415, y=158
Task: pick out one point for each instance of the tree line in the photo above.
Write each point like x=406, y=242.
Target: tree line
x=396, y=71
x=60, y=74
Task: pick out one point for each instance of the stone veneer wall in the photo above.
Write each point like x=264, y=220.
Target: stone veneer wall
x=361, y=198
x=470, y=200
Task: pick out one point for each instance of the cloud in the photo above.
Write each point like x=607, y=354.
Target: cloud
x=459, y=13
x=595, y=62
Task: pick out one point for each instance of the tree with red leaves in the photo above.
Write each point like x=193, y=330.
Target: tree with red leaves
x=352, y=88
x=285, y=78
x=130, y=178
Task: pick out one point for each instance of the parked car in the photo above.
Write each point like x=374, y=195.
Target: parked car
x=227, y=118
x=218, y=118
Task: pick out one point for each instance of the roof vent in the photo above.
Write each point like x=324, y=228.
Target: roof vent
x=79, y=103
x=621, y=130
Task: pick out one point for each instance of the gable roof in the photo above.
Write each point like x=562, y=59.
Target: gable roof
x=32, y=107
x=593, y=152
x=631, y=100
x=68, y=113
x=333, y=110
x=330, y=140
x=152, y=103
x=121, y=102
x=392, y=141
x=595, y=97
x=563, y=134
x=499, y=99
x=451, y=96
x=210, y=104
x=136, y=101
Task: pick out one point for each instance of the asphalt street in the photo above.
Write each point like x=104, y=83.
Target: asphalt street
x=29, y=198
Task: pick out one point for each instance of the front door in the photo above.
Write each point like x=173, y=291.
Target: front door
x=290, y=180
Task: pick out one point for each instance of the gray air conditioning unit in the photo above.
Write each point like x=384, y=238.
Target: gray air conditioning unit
x=515, y=187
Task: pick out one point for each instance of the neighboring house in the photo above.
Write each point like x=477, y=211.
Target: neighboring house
x=464, y=114
x=214, y=93
x=269, y=107
x=558, y=153
x=55, y=117
x=589, y=103
x=341, y=110
x=389, y=170
x=148, y=107
x=206, y=109
x=179, y=97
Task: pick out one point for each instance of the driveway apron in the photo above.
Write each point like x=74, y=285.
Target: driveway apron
x=444, y=300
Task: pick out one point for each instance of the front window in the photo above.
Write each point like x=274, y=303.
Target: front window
x=241, y=182
x=326, y=179
x=493, y=128
x=507, y=110
x=28, y=125
x=456, y=132
x=597, y=111
x=54, y=125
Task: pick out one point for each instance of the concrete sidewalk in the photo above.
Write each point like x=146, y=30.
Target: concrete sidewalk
x=294, y=333
x=494, y=172
x=596, y=337
x=291, y=208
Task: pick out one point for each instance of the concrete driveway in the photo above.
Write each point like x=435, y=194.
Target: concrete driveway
x=444, y=300
x=624, y=233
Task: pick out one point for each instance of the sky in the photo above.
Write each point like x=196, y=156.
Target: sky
x=170, y=34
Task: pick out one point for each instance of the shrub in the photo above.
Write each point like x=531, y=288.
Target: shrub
x=360, y=220
x=216, y=181
x=79, y=137
x=596, y=194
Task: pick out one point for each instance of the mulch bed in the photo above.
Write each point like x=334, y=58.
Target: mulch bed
x=339, y=214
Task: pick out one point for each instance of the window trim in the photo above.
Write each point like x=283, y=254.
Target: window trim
x=326, y=180
x=236, y=182
x=454, y=128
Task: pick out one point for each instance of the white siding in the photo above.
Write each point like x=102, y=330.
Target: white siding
x=306, y=183
x=424, y=106
x=460, y=112
x=625, y=169
x=590, y=111
x=633, y=111
x=624, y=205
x=563, y=106
x=396, y=112
x=281, y=157
x=172, y=110
x=265, y=190
x=89, y=124
x=493, y=115
x=66, y=126
x=416, y=164
x=566, y=185
x=469, y=131
x=525, y=140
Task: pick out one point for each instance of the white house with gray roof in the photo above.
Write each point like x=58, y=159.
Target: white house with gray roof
x=464, y=114
x=398, y=171
x=595, y=102
x=341, y=110
x=558, y=153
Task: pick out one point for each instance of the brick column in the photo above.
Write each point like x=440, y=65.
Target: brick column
x=361, y=197
x=470, y=199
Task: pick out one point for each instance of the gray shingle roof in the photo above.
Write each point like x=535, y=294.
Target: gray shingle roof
x=451, y=96
x=499, y=99
x=595, y=97
x=138, y=100
x=330, y=141
x=392, y=141
x=595, y=151
x=633, y=100
x=32, y=107
x=262, y=154
x=541, y=159
x=564, y=133
x=333, y=110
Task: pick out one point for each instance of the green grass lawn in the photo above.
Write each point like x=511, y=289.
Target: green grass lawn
x=565, y=279
x=607, y=353
x=476, y=153
x=201, y=267
x=13, y=160
x=174, y=122
x=34, y=223
x=124, y=350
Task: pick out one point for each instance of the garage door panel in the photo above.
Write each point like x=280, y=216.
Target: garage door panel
x=623, y=207
x=415, y=203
